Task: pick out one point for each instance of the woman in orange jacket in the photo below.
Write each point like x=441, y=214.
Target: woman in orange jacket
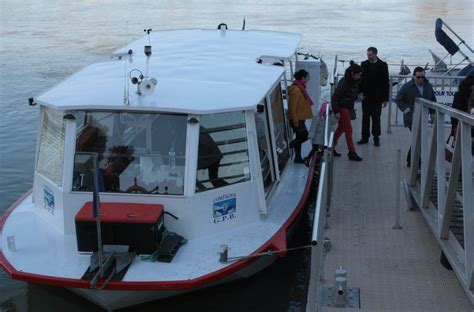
x=299, y=109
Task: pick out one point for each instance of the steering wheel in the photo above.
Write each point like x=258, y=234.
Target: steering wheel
x=136, y=189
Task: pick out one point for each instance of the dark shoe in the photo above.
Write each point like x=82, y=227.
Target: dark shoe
x=363, y=141
x=376, y=141
x=353, y=156
x=335, y=154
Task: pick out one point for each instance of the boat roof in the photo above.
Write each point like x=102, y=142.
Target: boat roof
x=198, y=71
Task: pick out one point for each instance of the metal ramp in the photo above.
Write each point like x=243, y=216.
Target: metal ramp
x=447, y=204
x=395, y=270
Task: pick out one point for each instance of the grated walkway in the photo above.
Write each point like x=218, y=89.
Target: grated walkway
x=396, y=270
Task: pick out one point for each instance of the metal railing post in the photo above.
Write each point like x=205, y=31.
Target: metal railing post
x=389, y=121
x=467, y=201
x=398, y=168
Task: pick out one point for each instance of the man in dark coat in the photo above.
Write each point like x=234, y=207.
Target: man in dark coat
x=420, y=87
x=374, y=88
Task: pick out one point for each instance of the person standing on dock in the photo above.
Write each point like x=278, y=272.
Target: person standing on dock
x=374, y=88
x=342, y=103
x=464, y=101
x=299, y=109
x=419, y=86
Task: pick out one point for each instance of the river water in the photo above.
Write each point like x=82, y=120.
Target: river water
x=43, y=41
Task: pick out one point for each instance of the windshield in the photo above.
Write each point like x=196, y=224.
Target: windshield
x=137, y=153
x=51, y=145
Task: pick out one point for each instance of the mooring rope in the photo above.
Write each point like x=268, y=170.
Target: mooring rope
x=267, y=253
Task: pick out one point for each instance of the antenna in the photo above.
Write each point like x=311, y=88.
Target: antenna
x=126, y=98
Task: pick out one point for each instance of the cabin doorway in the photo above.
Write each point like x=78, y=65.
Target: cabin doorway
x=272, y=138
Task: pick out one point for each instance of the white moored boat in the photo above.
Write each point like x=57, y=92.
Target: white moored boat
x=188, y=148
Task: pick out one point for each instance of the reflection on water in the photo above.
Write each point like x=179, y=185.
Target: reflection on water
x=42, y=42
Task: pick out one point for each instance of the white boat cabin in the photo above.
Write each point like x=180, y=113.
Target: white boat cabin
x=209, y=143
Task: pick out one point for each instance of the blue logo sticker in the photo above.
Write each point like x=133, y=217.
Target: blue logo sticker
x=48, y=198
x=224, y=207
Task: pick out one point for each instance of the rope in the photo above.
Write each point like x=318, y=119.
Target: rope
x=269, y=253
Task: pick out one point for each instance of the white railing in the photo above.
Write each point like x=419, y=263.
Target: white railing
x=444, y=87
x=323, y=201
x=442, y=201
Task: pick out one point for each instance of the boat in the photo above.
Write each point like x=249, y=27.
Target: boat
x=164, y=171
x=439, y=67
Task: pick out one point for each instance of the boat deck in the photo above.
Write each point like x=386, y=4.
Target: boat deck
x=396, y=270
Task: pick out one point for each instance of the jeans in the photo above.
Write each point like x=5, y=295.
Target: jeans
x=345, y=127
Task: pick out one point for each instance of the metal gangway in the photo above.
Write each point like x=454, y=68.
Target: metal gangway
x=446, y=204
x=443, y=190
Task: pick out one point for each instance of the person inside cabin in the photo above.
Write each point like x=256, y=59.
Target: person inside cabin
x=209, y=157
x=113, y=155
x=374, y=87
x=299, y=109
x=419, y=86
x=464, y=101
x=342, y=104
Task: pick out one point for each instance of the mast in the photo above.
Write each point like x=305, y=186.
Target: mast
x=96, y=212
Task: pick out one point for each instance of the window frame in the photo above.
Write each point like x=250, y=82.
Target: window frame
x=81, y=124
x=269, y=109
x=250, y=173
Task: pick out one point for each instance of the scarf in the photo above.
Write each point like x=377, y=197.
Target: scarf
x=302, y=86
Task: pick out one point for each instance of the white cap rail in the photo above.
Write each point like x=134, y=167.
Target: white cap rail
x=321, y=210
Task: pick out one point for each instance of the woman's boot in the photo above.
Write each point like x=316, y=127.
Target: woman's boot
x=353, y=156
x=298, y=159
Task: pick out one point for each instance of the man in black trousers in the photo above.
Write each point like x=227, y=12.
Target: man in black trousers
x=374, y=88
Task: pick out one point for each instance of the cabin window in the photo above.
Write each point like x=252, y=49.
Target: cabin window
x=279, y=127
x=223, y=152
x=138, y=153
x=51, y=146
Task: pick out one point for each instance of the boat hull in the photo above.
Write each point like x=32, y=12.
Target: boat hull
x=124, y=294
x=112, y=300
